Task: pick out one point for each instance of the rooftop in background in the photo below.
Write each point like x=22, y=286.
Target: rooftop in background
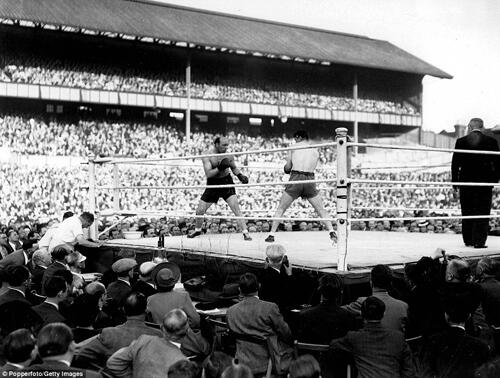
x=164, y=23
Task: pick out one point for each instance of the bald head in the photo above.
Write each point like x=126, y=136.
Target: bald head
x=476, y=124
x=175, y=324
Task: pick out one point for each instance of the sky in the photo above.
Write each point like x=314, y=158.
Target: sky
x=461, y=37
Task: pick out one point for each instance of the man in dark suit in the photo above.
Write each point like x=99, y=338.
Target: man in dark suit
x=452, y=353
x=19, y=351
x=58, y=254
x=276, y=282
x=18, y=279
x=56, y=290
x=377, y=351
x=327, y=321
x=120, y=289
x=490, y=299
x=475, y=200
x=255, y=319
x=21, y=256
x=145, y=284
x=12, y=243
x=56, y=348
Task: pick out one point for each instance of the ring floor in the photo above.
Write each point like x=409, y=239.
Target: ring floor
x=314, y=250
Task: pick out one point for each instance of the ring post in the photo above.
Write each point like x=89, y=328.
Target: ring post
x=116, y=190
x=93, y=232
x=343, y=196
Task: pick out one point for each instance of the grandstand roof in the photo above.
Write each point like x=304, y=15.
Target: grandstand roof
x=205, y=28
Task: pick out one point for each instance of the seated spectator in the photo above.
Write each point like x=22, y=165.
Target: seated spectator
x=58, y=255
x=184, y=369
x=18, y=350
x=452, y=353
x=18, y=280
x=20, y=256
x=327, y=321
x=396, y=311
x=144, y=284
x=56, y=290
x=276, y=280
x=254, y=319
x=377, y=351
x=76, y=264
x=84, y=311
x=119, y=289
x=304, y=366
x=166, y=275
x=113, y=338
x=56, y=348
x=12, y=243
x=490, y=299
x=39, y=263
x=152, y=356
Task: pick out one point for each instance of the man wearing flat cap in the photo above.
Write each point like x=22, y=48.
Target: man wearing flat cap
x=166, y=275
x=120, y=289
x=144, y=284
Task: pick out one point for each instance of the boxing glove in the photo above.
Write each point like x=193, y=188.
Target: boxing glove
x=243, y=179
x=287, y=171
x=224, y=164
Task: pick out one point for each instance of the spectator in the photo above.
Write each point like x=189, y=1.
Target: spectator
x=19, y=257
x=76, y=263
x=120, y=289
x=304, y=366
x=277, y=280
x=490, y=299
x=377, y=351
x=84, y=311
x=144, y=284
x=166, y=275
x=237, y=370
x=18, y=277
x=327, y=321
x=396, y=311
x=216, y=363
x=255, y=319
x=58, y=254
x=19, y=351
x=56, y=348
x=113, y=338
x=40, y=261
x=56, y=290
x=12, y=244
x=452, y=353
x=152, y=356
x=184, y=369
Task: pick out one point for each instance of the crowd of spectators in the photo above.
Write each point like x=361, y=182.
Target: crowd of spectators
x=45, y=71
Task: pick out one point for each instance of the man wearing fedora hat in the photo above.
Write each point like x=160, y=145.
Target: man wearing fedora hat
x=165, y=275
x=120, y=289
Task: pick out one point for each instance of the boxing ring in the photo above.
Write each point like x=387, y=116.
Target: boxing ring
x=310, y=250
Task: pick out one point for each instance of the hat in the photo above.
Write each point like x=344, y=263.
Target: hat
x=146, y=268
x=165, y=274
x=123, y=265
x=230, y=291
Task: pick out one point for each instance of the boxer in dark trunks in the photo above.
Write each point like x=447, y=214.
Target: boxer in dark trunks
x=300, y=164
x=218, y=172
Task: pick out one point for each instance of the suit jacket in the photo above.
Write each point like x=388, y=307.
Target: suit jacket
x=143, y=287
x=472, y=167
x=49, y=313
x=396, y=311
x=12, y=295
x=452, y=353
x=261, y=319
x=36, y=278
x=276, y=287
x=377, y=352
x=323, y=323
x=113, y=338
x=9, y=248
x=49, y=365
x=15, y=258
x=161, y=303
x=148, y=356
x=117, y=293
x=8, y=367
x=490, y=300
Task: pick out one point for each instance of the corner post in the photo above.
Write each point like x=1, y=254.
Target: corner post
x=93, y=230
x=343, y=196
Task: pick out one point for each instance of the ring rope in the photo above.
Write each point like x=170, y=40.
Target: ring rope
x=399, y=187
x=409, y=209
x=192, y=157
x=182, y=187
x=436, y=183
x=180, y=215
x=423, y=218
x=416, y=148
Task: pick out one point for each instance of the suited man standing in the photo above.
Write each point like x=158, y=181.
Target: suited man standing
x=475, y=200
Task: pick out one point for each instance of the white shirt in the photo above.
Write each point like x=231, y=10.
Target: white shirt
x=67, y=232
x=45, y=240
